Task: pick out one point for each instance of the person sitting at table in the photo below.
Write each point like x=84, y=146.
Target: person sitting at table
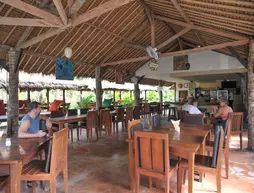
x=223, y=112
x=30, y=123
x=186, y=106
x=193, y=109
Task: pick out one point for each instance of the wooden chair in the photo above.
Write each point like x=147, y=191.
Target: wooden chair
x=91, y=122
x=181, y=114
x=152, y=158
x=106, y=121
x=237, y=125
x=172, y=113
x=156, y=121
x=36, y=169
x=56, y=114
x=146, y=110
x=210, y=144
x=136, y=112
x=71, y=126
x=129, y=115
x=119, y=118
x=83, y=111
x=194, y=119
x=133, y=126
x=207, y=164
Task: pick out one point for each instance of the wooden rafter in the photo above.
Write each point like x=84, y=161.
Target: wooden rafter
x=75, y=7
x=182, y=52
x=33, y=10
x=238, y=57
x=204, y=29
x=25, y=22
x=172, y=38
x=99, y=10
x=61, y=11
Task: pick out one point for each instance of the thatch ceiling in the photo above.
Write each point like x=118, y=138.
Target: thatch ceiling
x=94, y=40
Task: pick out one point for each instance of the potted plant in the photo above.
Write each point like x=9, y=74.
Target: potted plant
x=127, y=102
x=85, y=101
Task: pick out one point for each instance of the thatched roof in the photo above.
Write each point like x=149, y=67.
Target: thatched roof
x=106, y=31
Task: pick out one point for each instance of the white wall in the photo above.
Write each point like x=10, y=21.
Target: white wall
x=200, y=61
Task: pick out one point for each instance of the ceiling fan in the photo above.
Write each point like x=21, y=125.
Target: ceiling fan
x=153, y=63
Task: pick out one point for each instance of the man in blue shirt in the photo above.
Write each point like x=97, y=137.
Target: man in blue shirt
x=30, y=123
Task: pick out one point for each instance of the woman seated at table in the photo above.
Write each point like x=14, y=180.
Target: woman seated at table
x=222, y=115
x=30, y=123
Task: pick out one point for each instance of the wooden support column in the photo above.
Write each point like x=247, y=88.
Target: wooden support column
x=13, y=102
x=136, y=94
x=47, y=95
x=98, y=87
x=251, y=97
x=160, y=92
x=80, y=95
x=131, y=94
x=120, y=95
x=28, y=95
x=145, y=94
x=114, y=96
x=63, y=100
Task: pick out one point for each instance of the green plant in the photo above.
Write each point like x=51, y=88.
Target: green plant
x=127, y=101
x=84, y=103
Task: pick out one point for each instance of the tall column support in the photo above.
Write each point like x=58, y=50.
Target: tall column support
x=80, y=95
x=47, y=95
x=136, y=94
x=114, y=96
x=13, y=101
x=98, y=87
x=64, y=100
x=160, y=92
x=251, y=96
x=28, y=95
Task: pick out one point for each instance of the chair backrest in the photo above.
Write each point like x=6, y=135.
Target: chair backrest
x=133, y=126
x=55, y=114
x=236, y=121
x=105, y=117
x=136, y=112
x=218, y=147
x=156, y=121
x=72, y=112
x=92, y=119
x=129, y=113
x=120, y=114
x=107, y=102
x=59, y=155
x=2, y=108
x=194, y=119
x=181, y=114
x=152, y=153
x=147, y=108
x=84, y=111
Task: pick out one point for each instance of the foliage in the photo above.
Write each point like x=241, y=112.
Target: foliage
x=168, y=95
x=152, y=96
x=127, y=101
x=84, y=103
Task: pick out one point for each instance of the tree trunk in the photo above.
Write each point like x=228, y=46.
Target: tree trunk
x=28, y=95
x=251, y=97
x=98, y=87
x=13, y=102
x=47, y=93
x=136, y=94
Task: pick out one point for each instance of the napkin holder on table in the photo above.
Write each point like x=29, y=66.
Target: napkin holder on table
x=176, y=125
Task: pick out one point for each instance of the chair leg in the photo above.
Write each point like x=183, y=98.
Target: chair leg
x=123, y=126
x=167, y=186
x=78, y=133
x=184, y=176
x=116, y=127
x=137, y=183
x=150, y=182
x=71, y=135
x=65, y=175
x=179, y=179
x=241, y=141
x=218, y=181
x=52, y=186
x=97, y=133
x=226, y=163
x=87, y=134
x=33, y=186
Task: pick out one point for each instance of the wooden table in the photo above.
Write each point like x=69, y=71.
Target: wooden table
x=185, y=144
x=67, y=119
x=3, y=118
x=17, y=154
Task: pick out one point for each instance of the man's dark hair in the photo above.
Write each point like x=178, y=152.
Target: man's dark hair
x=193, y=101
x=33, y=105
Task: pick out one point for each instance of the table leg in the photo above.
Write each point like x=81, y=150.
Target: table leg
x=61, y=125
x=191, y=172
x=15, y=175
x=131, y=168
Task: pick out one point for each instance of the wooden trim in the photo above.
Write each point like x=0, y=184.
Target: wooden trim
x=153, y=40
x=99, y=10
x=182, y=52
x=172, y=38
x=33, y=10
x=61, y=11
x=238, y=57
x=204, y=29
x=25, y=22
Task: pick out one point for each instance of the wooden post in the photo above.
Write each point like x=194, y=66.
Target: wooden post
x=47, y=95
x=98, y=87
x=145, y=95
x=251, y=97
x=80, y=95
x=131, y=94
x=160, y=92
x=120, y=95
x=28, y=95
x=13, y=102
x=64, y=100
x=114, y=96
x=136, y=94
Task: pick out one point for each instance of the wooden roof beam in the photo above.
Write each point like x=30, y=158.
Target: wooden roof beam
x=75, y=7
x=99, y=10
x=61, y=11
x=25, y=22
x=204, y=29
x=182, y=52
x=238, y=57
x=33, y=10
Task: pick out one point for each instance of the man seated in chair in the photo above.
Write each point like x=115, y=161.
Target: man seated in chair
x=187, y=105
x=30, y=123
x=223, y=112
x=193, y=109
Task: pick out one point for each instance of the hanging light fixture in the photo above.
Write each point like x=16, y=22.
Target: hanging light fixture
x=68, y=52
x=153, y=64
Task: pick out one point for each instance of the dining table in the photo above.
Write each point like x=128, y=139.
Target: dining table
x=189, y=141
x=15, y=152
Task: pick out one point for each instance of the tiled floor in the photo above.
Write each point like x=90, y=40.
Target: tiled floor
x=102, y=166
